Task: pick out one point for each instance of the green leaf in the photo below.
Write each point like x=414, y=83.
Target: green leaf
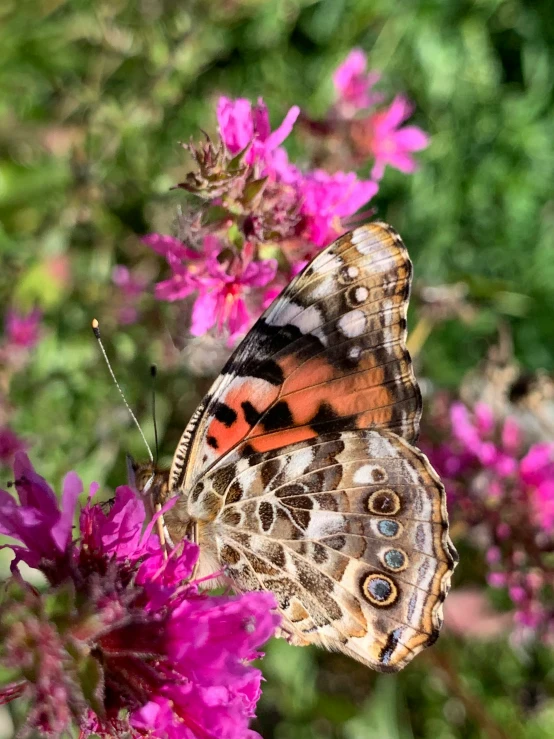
x=235, y=236
x=236, y=162
x=59, y=605
x=253, y=188
x=215, y=214
x=91, y=681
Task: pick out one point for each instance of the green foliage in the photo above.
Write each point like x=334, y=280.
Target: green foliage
x=94, y=100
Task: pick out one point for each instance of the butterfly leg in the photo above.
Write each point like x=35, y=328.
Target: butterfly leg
x=291, y=636
x=194, y=539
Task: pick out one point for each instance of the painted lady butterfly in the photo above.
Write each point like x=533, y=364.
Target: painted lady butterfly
x=297, y=472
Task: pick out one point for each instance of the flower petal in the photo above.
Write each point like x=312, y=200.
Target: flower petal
x=169, y=245
x=33, y=490
x=72, y=488
x=411, y=138
x=281, y=133
x=258, y=274
x=204, y=312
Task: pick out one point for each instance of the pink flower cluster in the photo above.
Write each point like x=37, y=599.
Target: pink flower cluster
x=22, y=330
x=221, y=286
x=502, y=488
x=378, y=134
x=262, y=217
x=123, y=643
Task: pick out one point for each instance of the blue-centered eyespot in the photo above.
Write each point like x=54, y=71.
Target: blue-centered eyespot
x=380, y=590
x=388, y=528
x=395, y=559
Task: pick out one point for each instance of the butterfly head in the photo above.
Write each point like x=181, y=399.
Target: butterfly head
x=150, y=481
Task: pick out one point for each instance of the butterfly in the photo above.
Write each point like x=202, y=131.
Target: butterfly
x=297, y=473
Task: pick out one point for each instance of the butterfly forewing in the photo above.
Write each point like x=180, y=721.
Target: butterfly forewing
x=328, y=355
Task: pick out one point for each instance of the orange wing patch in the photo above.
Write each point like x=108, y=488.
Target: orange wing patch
x=328, y=355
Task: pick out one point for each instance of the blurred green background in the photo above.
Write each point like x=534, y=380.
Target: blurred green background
x=94, y=98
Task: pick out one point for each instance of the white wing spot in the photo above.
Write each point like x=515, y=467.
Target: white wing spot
x=324, y=288
x=369, y=474
x=285, y=312
x=326, y=263
x=354, y=352
x=247, y=479
x=324, y=524
x=308, y=321
x=363, y=235
x=299, y=462
x=361, y=294
x=379, y=446
x=352, y=324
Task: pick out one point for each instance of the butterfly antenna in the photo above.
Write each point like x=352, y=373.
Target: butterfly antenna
x=96, y=331
x=154, y=374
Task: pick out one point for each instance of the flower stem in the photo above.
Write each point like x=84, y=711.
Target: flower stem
x=419, y=335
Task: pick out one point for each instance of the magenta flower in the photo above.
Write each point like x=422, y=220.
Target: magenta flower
x=390, y=143
x=10, y=444
x=222, y=299
x=23, y=330
x=189, y=267
x=353, y=84
x=537, y=471
x=252, y=196
x=326, y=199
x=242, y=124
x=122, y=643
x=506, y=492
x=223, y=287
x=474, y=434
x=37, y=522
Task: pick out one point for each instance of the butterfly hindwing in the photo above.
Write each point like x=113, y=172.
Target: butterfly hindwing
x=347, y=530
x=328, y=355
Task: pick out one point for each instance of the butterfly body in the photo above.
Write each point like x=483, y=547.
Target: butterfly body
x=297, y=472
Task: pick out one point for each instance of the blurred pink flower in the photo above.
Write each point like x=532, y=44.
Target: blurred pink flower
x=22, y=330
x=145, y=653
x=129, y=284
x=538, y=464
x=59, y=269
x=189, y=267
x=353, y=84
x=506, y=494
x=241, y=123
x=170, y=247
x=537, y=470
x=10, y=444
x=390, y=143
x=473, y=433
x=328, y=198
x=511, y=436
x=324, y=199
x=131, y=289
x=467, y=612
x=497, y=579
x=270, y=294
x=222, y=287
x=222, y=292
